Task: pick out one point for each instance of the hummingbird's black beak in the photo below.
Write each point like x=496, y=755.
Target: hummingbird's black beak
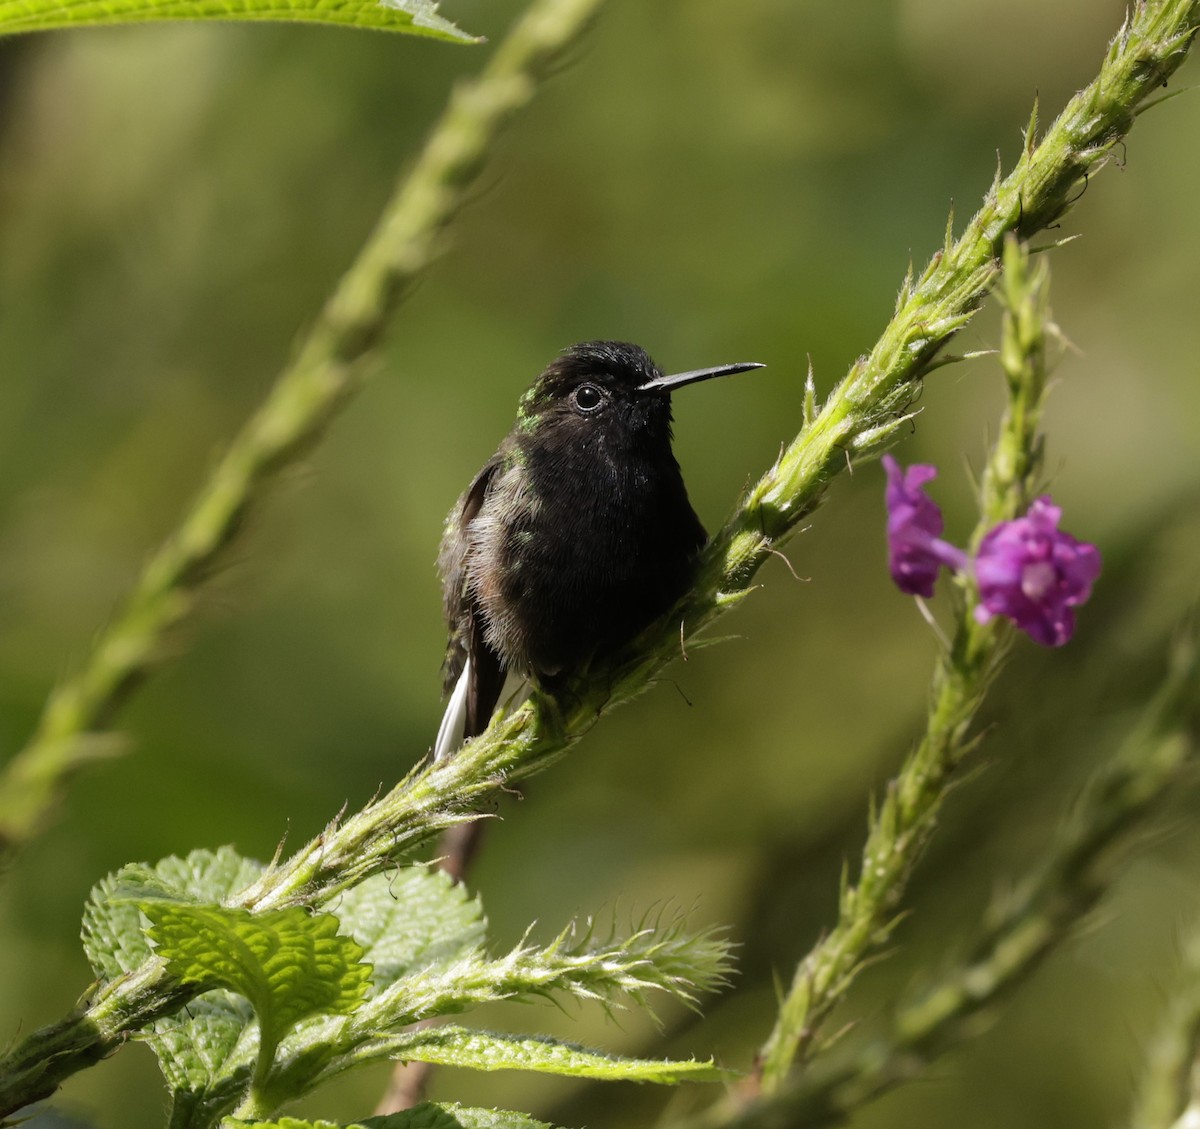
x=679, y=379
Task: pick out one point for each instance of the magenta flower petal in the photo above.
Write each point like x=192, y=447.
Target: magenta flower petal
x=915, y=551
x=1033, y=573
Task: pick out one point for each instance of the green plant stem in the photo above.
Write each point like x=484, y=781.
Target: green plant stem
x=1022, y=930
x=328, y=369
x=868, y=407
x=1168, y=1095
x=255, y=1106
x=257, y=1102
x=37, y=1065
x=1039, y=915
x=861, y=416
x=1011, y=478
x=900, y=831
x=898, y=835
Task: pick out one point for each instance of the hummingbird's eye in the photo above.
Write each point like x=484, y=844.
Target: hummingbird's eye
x=587, y=398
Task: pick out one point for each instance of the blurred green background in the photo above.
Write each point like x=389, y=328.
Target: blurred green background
x=716, y=184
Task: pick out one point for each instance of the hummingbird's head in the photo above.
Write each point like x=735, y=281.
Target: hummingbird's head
x=609, y=388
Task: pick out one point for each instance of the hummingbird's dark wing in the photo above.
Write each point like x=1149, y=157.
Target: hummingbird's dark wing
x=474, y=676
x=459, y=606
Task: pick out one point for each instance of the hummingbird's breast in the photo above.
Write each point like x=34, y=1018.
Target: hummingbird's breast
x=590, y=545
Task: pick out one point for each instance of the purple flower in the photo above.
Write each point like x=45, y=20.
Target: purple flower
x=915, y=551
x=1032, y=572
x=1027, y=570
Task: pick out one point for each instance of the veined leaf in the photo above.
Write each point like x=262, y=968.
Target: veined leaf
x=207, y=1056
x=204, y=1053
x=113, y=936
x=287, y=963
x=427, y=1115
x=485, y=1050
x=410, y=920
x=411, y=17
x=306, y=978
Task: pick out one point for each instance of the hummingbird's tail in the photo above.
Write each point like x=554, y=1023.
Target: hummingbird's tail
x=452, y=733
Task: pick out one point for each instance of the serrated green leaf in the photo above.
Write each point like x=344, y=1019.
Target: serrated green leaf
x=287, y=963
x=206, y=1056
x=283, y=966
x=427, y=1115
x=410, y=920
x=203, y=1051
x=113, y=937
x=112, y=926
x=411, y=17
x=288, y=1123
x=485, y=1050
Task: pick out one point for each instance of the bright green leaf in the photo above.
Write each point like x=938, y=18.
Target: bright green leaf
x=410, y=920
x=289, y=964
x=113, y=937
x=412, y=17
x=427, y=1115
x=306, y=977
x=484, y=1050
x=406, y=921
x=202, y=1051
x=205, y=1057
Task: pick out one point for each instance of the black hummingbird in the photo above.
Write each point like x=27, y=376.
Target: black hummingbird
x=575, y=535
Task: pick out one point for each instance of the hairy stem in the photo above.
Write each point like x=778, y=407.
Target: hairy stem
x=1168, y=1095
x=1039, y=914
x=900, y=831
x=865, y=411
x=1021, y=930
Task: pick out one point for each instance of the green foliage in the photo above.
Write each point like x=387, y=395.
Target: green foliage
x=288, y=964
x=410, y=17
x=410, y=920
x=459, y=975
x=427, y=1115
x=484, y=1050
x=202, y=1053
x=291, y=998
x=113, y=937
x=904, y=822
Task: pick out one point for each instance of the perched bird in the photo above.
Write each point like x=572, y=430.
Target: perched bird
x=575, y=536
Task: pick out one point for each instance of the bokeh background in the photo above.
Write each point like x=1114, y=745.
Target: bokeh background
x=716, y=183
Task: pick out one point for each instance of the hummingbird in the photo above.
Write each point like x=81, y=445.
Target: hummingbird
x=575, y=535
